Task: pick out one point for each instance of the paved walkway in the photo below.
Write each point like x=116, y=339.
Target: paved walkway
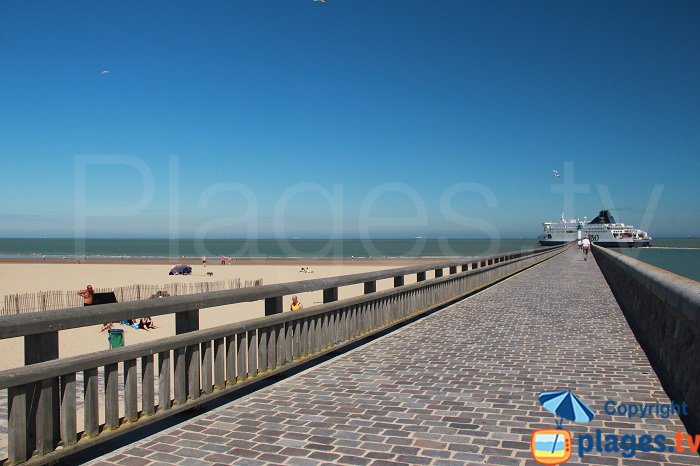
x=459, y=387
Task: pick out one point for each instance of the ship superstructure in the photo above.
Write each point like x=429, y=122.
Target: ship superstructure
x=602, y=230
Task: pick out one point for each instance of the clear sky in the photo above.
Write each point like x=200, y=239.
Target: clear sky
x=389, y=118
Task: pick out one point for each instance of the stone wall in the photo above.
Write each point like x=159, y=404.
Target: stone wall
x=664, y=311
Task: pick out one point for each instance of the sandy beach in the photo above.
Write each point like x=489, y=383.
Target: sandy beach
x=27, y=276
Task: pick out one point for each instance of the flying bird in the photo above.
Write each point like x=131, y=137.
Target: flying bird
x=104, y=72
x=555, y=173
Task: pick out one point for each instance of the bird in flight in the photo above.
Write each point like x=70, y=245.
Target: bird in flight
x=555, y=173
x=104, y=72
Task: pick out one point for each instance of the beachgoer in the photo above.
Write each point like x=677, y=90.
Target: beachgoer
x=107, y=326
x=296, y=304
x=146, y=324
x=223, y=260
x=204, y=261
x=579, y=244
x=230, y=260
x=87, y=295
x=585, y=245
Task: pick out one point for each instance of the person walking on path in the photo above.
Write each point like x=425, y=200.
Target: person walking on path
x=585, y=245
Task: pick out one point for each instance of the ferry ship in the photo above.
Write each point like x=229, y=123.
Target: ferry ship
x=602, y=230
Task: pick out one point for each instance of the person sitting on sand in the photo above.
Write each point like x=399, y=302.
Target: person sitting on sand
x=147, y=324
x=87, y=295
x=296, y=304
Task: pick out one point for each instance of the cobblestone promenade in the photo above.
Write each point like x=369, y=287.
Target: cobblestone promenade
x=459, y=387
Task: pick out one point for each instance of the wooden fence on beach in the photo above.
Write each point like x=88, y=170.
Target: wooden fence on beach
x=22, y=303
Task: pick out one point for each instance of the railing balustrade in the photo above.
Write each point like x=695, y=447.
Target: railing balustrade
x=182, y=371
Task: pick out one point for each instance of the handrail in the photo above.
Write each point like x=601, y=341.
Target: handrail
x=55, y=368
x=64, y=319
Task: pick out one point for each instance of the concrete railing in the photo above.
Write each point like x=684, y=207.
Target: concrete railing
x=664, y=310
x=195, y=365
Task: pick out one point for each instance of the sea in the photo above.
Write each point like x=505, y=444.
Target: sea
x=678, y=255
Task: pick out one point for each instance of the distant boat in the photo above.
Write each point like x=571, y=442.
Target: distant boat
x=602, y=230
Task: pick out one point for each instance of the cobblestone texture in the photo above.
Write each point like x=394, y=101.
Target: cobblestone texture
x=459, y=387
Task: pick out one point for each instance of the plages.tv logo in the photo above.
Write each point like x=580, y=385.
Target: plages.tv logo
x=553, y=446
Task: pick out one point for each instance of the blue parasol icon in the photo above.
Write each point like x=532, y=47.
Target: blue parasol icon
x=566, y=405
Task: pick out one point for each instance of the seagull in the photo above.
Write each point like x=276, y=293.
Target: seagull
x=104, y=72
x=555, y=173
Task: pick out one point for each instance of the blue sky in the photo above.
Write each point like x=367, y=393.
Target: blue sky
x=346, y=119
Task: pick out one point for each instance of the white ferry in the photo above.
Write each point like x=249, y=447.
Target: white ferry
x=602, y=230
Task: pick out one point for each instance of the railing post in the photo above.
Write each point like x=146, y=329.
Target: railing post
x=220, y=366
x=330, y=295
x=273, y=305
x=17, y=449
x=147, y=385
x=68, y=410
x=42, y=400
x=91, y=410
x=252, y=353
x=185, y=322
x=164, y=400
